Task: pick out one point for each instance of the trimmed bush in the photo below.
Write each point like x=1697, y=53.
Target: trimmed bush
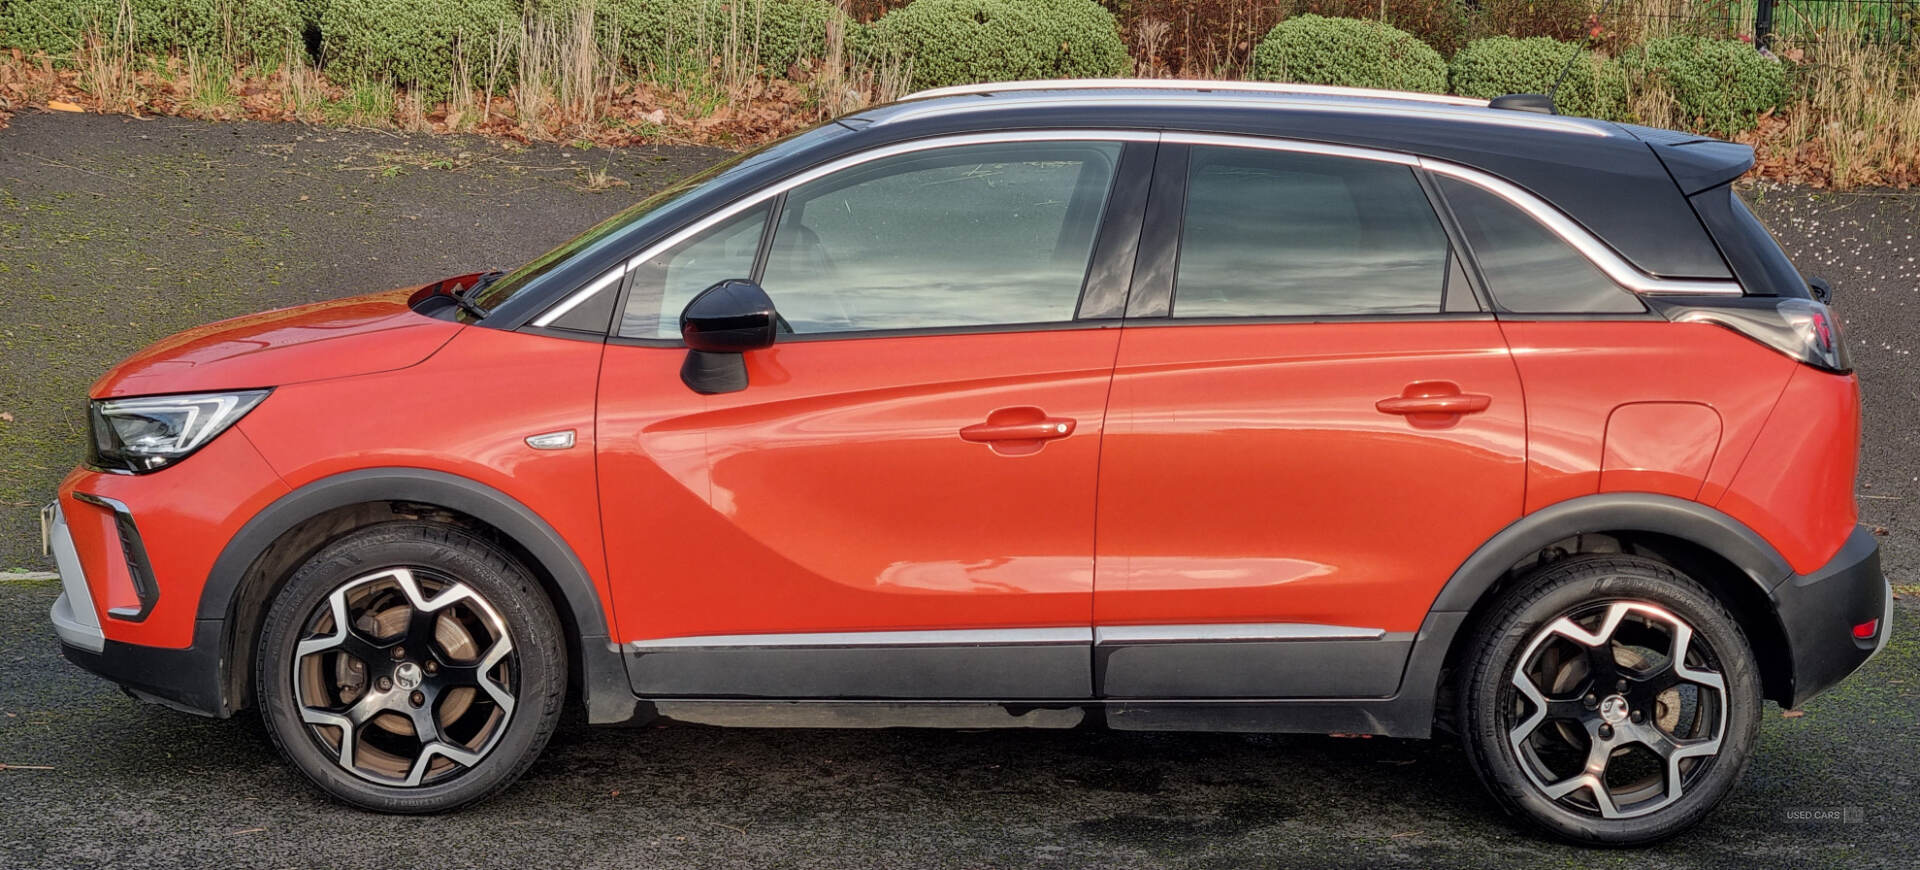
x=1719, y=84
x=775, y=33
x=1595, y=86
x=412, y=42
x=260, y=29
x=951, y=42
x=1347, y=51
x=1439, y=23
x=311, y=11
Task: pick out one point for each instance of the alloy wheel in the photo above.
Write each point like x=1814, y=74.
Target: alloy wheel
x=405, y=676
x=1616, y=709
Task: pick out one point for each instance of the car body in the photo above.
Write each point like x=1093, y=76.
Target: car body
x=972, y=458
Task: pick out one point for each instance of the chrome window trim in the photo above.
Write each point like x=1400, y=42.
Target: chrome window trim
x=1596, y=251
x=1194, y=85
x=1224, y=140
x=1305, y=102
x=612, y=276
x=1231, y=633
x=779, y=187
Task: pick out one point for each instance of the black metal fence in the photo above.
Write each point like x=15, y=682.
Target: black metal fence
x=1784, y=22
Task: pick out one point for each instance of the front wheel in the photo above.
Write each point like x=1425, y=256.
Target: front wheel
x=411, y=668
x=1609, y=700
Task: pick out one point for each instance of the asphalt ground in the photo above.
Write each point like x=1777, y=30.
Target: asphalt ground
x=115, y=232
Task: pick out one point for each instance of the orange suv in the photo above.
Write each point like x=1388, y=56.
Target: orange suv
x=1158, y=405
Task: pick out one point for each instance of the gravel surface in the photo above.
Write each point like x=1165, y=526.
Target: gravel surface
x=114, y=232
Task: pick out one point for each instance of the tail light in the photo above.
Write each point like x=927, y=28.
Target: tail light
x=1800, y=328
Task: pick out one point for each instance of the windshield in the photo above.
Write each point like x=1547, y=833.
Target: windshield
x=611, y=230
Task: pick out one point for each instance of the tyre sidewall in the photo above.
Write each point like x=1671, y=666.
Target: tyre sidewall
x=507, y=586
x=1557, y=591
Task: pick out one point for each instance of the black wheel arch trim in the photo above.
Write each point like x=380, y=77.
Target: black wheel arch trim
x=602, y=678
x=1613, y=512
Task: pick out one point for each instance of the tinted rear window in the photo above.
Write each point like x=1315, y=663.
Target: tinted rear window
x=1275, y=233
x=1528, y=269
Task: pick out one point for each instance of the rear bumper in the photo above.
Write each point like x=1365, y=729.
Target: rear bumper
x=1820, y=609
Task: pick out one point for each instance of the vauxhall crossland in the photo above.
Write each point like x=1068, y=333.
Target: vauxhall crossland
x=1160, y=405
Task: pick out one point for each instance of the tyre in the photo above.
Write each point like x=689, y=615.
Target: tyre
x=411, y=667
x=1609, y=700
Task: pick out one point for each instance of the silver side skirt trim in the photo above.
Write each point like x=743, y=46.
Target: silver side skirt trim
x=841, y=639
x=1243, y=632
x=1116, y=634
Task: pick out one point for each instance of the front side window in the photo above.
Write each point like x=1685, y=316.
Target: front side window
x=1528, y=269
x=664, y=283
x=1284, y=234
x=974, y=235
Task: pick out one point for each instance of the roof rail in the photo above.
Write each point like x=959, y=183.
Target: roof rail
x=1195, y=85
x=918, y=109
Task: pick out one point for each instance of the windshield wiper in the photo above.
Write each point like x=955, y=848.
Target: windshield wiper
x=468, y=305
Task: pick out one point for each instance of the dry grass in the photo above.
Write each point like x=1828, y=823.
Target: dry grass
x=1857, y=117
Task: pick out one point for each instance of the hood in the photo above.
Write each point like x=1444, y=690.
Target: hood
x=340, y=338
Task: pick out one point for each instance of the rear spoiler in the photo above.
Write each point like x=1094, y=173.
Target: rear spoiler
x=1695, y=162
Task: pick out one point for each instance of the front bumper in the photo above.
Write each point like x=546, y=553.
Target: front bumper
x=1820, y=609
x=184, y=679
x=74, y=617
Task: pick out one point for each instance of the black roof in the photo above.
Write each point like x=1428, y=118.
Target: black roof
x=1606, y=176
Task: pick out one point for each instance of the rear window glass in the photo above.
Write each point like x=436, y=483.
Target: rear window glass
x=1279, y=234
x=1528, y=269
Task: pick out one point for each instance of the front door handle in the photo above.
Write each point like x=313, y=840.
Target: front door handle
x=1434, y=403
x=1018, y=431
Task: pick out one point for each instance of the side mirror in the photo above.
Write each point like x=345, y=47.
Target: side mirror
x=1821, y=291
x=721, y=323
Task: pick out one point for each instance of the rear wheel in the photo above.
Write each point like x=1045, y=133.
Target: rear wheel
x=411, y=667
x=1610, y=700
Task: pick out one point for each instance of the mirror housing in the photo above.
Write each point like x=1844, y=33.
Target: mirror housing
x=719, y=326
x=732, y=316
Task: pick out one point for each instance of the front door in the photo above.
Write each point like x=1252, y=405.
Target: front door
x=1314, y=428
x=900, y=504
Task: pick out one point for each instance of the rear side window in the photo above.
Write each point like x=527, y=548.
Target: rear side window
x=1528, y=269
x=1283, y=234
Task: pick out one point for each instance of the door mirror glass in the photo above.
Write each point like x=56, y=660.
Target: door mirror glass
x=732, y=316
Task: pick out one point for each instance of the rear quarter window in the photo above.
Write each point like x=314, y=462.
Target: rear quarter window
x=1528, y=269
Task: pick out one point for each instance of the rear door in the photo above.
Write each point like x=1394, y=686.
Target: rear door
x=900, y=503
x=1312, y=424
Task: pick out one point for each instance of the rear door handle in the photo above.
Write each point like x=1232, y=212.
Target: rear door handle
x=1018, y=431
x=1434, y=402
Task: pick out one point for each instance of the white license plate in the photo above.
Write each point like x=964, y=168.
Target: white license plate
x=46, y=527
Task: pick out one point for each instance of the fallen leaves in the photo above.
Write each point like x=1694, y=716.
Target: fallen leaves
x=1792, y=714
x=64, y=106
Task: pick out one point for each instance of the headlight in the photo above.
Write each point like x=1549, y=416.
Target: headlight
x=153, y=432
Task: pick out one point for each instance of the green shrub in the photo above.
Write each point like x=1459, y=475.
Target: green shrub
x=236, y=29
x=1718, y=84
x=1595, y=86
x=1350, y=52
x=412, y=42
x=311, y=11
x=770, y=34
x=950, y=42
x=1439, y=23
